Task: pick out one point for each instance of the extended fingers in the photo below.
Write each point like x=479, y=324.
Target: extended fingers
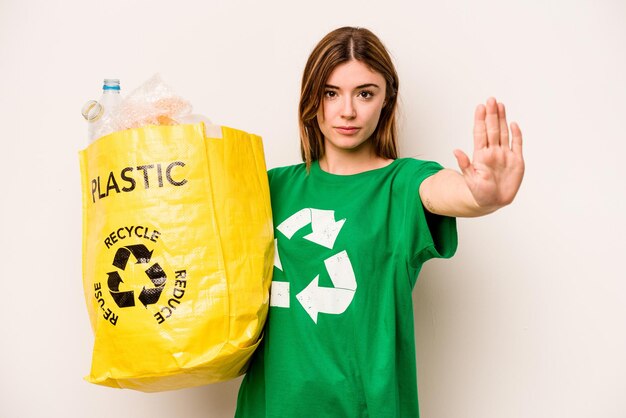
x=490, y=127
x=480, y=129
x=504, y=127
x=516, y=143
x=493, y=123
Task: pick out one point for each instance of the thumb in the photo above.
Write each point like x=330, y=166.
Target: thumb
x=464, y=162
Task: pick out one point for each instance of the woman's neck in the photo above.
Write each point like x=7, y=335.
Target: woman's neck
x=349, y=163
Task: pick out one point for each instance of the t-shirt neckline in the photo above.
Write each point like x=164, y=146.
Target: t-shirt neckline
x=317, y=171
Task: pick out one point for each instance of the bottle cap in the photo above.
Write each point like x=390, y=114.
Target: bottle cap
x=92, y=110
x=111, y=84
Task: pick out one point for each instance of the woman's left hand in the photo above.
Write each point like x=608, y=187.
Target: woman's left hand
x=495, y=173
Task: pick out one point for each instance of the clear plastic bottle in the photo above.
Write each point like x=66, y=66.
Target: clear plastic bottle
x=98, y=113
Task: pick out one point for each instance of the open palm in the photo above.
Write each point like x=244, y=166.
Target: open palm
x=495, y=172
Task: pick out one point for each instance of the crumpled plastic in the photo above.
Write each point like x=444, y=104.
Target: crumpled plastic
x=152, y=103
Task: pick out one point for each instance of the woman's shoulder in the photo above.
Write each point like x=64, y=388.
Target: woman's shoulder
x=286, y=171
x=415, y=165
x=410, y=172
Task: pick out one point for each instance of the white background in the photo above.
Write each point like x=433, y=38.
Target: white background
x=527, y=320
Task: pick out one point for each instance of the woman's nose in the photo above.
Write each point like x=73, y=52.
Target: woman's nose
x=348, y=111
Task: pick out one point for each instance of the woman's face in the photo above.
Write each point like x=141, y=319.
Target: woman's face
x=354, y=96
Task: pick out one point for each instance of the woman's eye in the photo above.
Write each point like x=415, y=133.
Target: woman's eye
x=366, y=94
x=330, y=94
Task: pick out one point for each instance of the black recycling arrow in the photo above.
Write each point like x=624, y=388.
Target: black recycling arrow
x=114, y=281
x=149, y=296
x=139, y=251
x=121, y=258
x=158, y=278
x=122, y=299
x=157, y=275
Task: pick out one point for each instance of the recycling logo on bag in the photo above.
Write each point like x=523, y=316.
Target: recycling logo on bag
x=316, y=299
x=134, y=280
x=155, y=273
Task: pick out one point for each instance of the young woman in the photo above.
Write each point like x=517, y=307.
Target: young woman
x=354, y=224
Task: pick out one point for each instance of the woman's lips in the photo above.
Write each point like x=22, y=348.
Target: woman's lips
x=347, y=130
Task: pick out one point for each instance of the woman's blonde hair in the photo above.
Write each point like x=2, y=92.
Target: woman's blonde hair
x=338, y=47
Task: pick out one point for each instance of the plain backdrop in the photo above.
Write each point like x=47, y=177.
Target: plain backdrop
x=527, y=320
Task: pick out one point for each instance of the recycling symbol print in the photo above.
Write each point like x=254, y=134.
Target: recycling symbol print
x=316, y=299
x=155, y=277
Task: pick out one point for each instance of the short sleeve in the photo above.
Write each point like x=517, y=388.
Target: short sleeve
x=429, y=235
x=270, y=174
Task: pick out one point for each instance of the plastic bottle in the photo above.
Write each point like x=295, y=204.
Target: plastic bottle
x=98, y=113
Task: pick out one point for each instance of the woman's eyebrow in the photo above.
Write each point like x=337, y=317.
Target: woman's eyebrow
x=362, y=86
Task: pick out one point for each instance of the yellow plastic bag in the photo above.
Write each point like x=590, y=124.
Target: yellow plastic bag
x=177, y=255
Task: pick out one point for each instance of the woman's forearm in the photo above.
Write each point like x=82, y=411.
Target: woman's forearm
x=446, y=193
